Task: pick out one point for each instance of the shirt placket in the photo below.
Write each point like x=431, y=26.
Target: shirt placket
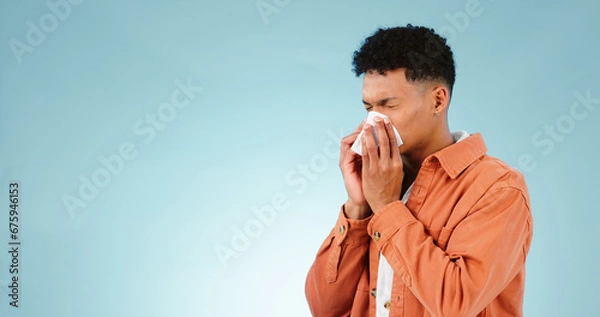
x=387, y=291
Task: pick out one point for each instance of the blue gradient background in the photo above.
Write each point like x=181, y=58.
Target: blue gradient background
x=274, y=90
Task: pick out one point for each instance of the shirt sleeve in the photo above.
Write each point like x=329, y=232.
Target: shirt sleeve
x=485, y=252
x=333, y=278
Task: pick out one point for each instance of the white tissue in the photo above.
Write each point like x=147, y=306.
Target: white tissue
x=357, y=146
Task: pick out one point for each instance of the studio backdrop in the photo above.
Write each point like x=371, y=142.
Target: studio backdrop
x=180, y=158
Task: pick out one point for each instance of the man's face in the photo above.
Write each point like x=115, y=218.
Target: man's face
x=408, y=105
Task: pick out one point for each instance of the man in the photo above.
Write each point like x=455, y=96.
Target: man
x=433, y=227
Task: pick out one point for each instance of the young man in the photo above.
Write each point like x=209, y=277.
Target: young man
x=433, y=227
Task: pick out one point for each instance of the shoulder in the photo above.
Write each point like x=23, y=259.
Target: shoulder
x=495, y=178
x=501, y=173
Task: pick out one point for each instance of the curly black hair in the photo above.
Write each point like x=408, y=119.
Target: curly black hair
x=423, y=53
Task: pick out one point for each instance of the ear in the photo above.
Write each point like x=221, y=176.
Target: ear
x=441, y=98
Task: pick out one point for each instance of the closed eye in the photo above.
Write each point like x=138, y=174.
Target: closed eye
x=389, y=107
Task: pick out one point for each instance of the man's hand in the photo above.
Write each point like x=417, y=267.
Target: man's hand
x=351, y=164
x=382, y=172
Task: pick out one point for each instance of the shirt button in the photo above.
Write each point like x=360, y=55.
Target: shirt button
x=387, y=305
x=342, y=229
x=374, y=292
x=377, y=235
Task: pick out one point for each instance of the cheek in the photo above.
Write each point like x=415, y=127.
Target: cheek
x=409, y=124
x=404, y=118
x=403, y=125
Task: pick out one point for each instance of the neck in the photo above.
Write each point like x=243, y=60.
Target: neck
x=412, y=161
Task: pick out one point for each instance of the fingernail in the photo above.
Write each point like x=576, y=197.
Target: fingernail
x=377, y=119
x=386, y=119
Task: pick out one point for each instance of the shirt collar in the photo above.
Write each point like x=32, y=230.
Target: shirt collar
x=455, y=158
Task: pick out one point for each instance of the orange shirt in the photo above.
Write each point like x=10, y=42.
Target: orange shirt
x=458, y=247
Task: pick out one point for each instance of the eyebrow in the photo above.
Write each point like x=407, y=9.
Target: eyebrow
x=381, y=102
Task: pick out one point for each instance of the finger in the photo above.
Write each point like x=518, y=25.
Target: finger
x=369, y=145
x=346, y=153
x=384, y=140
x=349, y=139
x=394, y=151
x=365, y=155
